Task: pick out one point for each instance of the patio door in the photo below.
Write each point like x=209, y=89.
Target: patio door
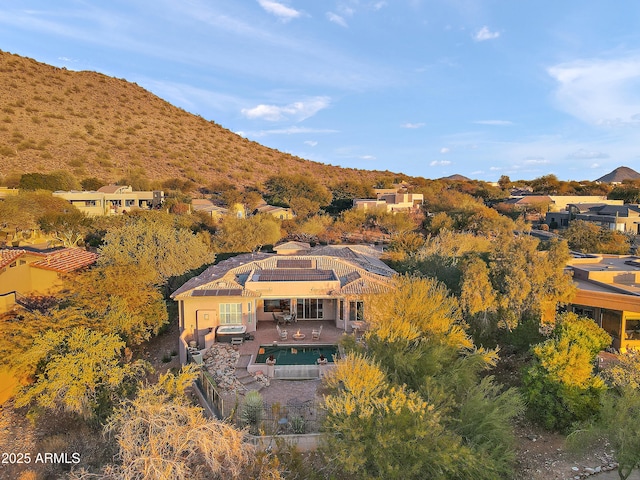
x=310, y=308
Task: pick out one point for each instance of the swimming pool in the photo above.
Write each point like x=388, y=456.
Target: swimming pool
x=296, y=354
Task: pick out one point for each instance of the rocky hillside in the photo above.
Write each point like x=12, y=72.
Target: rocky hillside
x=619, y=175
x=98, y=126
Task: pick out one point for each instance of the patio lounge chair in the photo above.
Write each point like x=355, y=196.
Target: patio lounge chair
x=315, y=334
x=283, y=334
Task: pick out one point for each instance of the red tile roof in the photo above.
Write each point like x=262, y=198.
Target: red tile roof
x=9, y=256
x=67, y=260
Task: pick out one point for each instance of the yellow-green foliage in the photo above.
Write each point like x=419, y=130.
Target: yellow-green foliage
x=80, y=371
x=417, y=308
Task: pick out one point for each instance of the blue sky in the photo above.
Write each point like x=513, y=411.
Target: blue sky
x=426, y=87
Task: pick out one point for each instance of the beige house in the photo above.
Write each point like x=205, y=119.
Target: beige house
x=315, y=284
x=609, y=292
x=619, y=217
x=391, y=200
x=112, y=200
x=279, y=212
x=26, y=272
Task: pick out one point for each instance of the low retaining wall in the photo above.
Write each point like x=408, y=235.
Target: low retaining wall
x=306, y=442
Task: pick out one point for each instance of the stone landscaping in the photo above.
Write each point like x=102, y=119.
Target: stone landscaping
x=221, y=361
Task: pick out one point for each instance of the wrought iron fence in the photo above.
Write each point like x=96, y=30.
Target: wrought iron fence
x=291, y=418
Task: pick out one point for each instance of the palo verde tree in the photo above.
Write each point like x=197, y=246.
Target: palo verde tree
x=420, y=373
x=81, y=371
x=560, y=386
x=246, y=234
x=135, y=310
x=151, y=240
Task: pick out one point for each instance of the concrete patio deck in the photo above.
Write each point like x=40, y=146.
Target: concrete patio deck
x=267, y=333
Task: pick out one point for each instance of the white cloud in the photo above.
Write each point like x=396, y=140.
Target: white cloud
x=495, y=169
x=438, y=163
x=583, y=154
x=379, y=5
x=536, y=161
x=279, y=10
x=311, y=143
x=485, y=34
x=367, y=157
x=412, y=125
x=499, y=123
x=297, y=111
x=599, y=92
x=444, y=150
x=286, y=131
x=595, y=165
x=337, y=19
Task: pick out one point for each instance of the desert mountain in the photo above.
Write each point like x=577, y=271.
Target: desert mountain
x=618, y=175
x=98, y=126
x=457, y=177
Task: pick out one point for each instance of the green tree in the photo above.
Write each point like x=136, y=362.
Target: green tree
x=560, y=386
x=48, y=181
x=68, y=227
x=282, y=189
x=246, y=234
x=81, y=371
x=583, y=236
x=149, y=241
x=92, y=183
x=120, y=301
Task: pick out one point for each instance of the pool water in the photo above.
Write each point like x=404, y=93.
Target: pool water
x=296, y=354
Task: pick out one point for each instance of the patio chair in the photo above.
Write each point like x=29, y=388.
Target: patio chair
x=282, y=333
x=315, y=334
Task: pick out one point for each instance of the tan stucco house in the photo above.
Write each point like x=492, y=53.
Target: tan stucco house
x=26, y=272
x=112, y=200
x=608, y=291
x=317, y=284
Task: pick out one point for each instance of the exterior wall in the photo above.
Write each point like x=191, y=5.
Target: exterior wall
x=627, y=305
x=200, y=315
x=25, y=280
x=101, y=203
x=560, y=202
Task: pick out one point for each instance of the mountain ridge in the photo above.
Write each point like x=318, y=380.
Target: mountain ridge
x=618, y=175
x=93, y=125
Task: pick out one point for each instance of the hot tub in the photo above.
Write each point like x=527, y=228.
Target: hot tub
x=224, y=333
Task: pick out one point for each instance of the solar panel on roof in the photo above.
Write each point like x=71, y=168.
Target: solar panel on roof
x=294, y=263
x=220, y=292
x=295, y=275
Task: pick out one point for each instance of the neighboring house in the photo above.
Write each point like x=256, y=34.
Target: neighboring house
x=26, y=272
x=391, y=200
x=208, y=207
x=619, y=217
x=609, y=293
x=325, y=283
x=278, y=212
x=112, y=200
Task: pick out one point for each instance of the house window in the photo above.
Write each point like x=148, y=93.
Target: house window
x=311, y=308
x=230, y=314
x=632, y=329
x=12, y=265
x=341, y=310
x=89, y=203
x=129, y=203
x=278, y=305
x=356, y=311
x=611, y=322
x=588, y=312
